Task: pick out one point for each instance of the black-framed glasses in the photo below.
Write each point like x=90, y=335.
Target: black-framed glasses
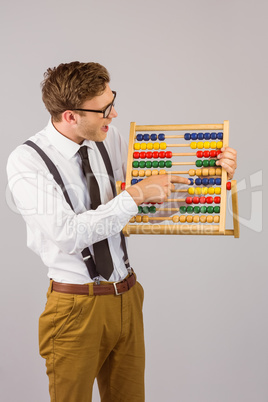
x=105, y=112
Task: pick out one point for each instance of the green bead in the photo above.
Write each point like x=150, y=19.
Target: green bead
x=203, y=209
x=146, y=210
x=205, y=163
x=162, y=164
x=183, y=209
x=168, y=164
x=135, y=164
x=190, y=209
x=152, y=209
x=210, y=210
x=142, y=164
x=196, y=210
x=217, y=209
x=212, y=162
x=148, y=164
x=155, y=164
x=198, y=163
x=140, y=209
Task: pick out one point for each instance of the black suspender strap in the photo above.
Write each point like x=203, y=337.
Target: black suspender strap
x=87, y=257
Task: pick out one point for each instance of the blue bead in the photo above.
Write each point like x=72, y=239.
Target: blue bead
x=153, y=137
x=146, y=137
x=191, y=180
x=211, y=182
x=198, y=181
x=187, y=136
x=220, y=136
x=194, y=136
x=205, y=181
x=213, y=136
x=161, y=137
x=134, y=181
x=200, y=136
x=139, y=180
x=139, y=137
x=218, y=181
x=207, y=136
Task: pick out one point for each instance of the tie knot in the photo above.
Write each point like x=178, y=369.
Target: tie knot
x=83, y=152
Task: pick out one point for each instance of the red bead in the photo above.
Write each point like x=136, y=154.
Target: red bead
x=213, y=153
x=218, y=152
x=196, y=200
x=199, y=154
x=209, y=200
x=142, y=155
x=228, y=185
x=136, y=155
x=189, y=200
x=217, y=200
x=206, y=154
x=123, y=186
x=202, y=200
x=168, y=154
x=162, y=154
x=149, y=155
x=155, y=155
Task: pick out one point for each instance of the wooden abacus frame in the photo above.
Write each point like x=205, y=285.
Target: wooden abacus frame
x=197, y=229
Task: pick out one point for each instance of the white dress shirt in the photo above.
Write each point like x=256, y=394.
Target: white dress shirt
x=54, y=231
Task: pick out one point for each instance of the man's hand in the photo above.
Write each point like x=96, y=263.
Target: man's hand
x=155, y=188
x=227, y=159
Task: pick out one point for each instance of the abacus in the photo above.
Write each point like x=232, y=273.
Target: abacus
x=202, y=209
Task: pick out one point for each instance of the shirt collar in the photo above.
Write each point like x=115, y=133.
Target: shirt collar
x=64, y=145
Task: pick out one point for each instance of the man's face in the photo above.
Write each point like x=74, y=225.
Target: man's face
x=92, y=126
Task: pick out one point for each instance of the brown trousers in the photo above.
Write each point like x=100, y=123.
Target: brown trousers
x=86, y=337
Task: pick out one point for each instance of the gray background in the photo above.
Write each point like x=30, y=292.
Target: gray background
x=171, y=62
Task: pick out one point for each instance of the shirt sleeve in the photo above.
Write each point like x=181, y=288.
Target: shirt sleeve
x=42, y=204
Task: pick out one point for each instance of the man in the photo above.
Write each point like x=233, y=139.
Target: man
x=92, y=325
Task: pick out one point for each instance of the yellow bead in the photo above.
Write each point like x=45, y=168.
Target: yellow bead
x=132, y=220
x=204, y=190
x=212, y=172
x=137, y=146
x=141, y=173
x=213, y=145
x=198, y=190
x=145, y=219
x=219, y=144
x=191, y=190
x=189, y=219
x=217, y=190
x=200, y=145
x=135, y=173
x=176, y=218
x=191, y=172
x=196, y=219
x=150, y=146
x=156, y=145
x=162, y=171
x=193, y=145
x=209, y=219
x=207, y=144
x=154, y=172
x=182, y=218
x=205, y=172
x=198, y=172
x=211, y=190
x=163, y=145
x=143, y=146
x=216, y=219
x=203, y=218
x=138, y=218
x=218, y=172
x=148, y=173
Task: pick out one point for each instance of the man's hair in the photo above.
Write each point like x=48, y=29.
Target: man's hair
x=69, y=85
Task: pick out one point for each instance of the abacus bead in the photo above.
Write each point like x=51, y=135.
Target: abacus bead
x=205, y=172
x=228, y=185
x=198, y=190
x=211, y=181
x=132, y=220
x=182, y=218
x=155, y=154
x=189, y=219
x=139, y=137
x=211, y=190
x=155, y=164
x=148, y=173
x=209, y=219
x=142, y=164
x=139, y=180
x=162, y=154
x=168, y=164
x=154, y=172
x=207, y=136
x=213, y=144
x=162, y=171
x=189, y=200
x=193, y=145
x=191, y=190
x=196, y=200
x=218, y=172
x=194, y=136
x=198, y=163
x=213, y=153
x=205, y=163
x=218, y=152
x=216, y=219
x=217, y=200
x=187, y=136
x=141, y=173
x=196, y=219
x=140, y=209
x=143, y=146
x=213, y=136
x=135, y=164
x=183, y=209
x=148, y=164
x=212, y=162
x=199, y=154
x=168, y=154
x=162, y=164
x=190, y=209
x=216, y=209
x=210, y=209
x=135, y=173
x=142, y=155
x=203, y=219
x=191, y=181
x=200, y=136
x=152, y=209
x=205, y=181
x=163, y=145
x=156, y=145
x=175, y=218
x=196, y=210
x=150, y=146
x=209, y=200
x=145, y=219
x=145, y=210
x=137, y=146
x=220, y=136
x=217, y=190
x=134, y=181
x=136, y=155
x=200, y=145
x=198, y=181
x=206, y=154
x=198, y=172
x=149, y=155
x=212, y=172
x=138, y=219
x=206, y=144
x=191, y=172
x=204, y=190
x=219, y=144
x=153, y=137
x=218, y=181
x=203, y=209
x=202, y=200
x=161, y=137
x=146, y=137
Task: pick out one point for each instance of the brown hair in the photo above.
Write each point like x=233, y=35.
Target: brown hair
x=69, y=85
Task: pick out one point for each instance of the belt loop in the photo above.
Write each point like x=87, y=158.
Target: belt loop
x=90, y=289
x=49, y=291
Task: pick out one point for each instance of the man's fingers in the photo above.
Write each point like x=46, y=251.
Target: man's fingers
x=179, y=179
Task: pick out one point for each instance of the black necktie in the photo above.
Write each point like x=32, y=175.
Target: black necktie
x=103, y=258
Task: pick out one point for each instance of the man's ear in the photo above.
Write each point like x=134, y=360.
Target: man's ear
x=68, y=116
